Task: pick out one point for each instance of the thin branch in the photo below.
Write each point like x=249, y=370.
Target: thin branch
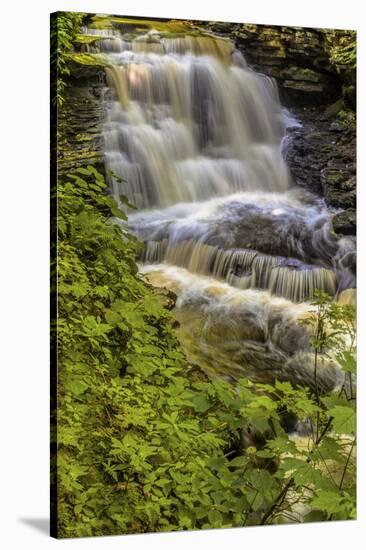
x=346, y=465
x=278, y=500
x=326, y=427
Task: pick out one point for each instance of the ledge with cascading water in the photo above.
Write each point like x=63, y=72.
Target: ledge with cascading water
x=198, y=139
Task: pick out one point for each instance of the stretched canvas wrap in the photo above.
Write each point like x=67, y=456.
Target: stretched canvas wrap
x=203, y=275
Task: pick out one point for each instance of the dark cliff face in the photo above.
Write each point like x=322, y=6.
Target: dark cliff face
x=322, y=158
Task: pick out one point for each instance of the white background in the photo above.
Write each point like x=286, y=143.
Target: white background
x=24, y=271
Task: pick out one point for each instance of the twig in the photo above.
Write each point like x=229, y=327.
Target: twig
x=326, y=427
x=346, y=465
x=279, y=499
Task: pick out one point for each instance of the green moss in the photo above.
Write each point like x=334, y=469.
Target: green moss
x=88, y=38
x=84, y=137
x=172, y=26
x=82, y=155
x=89, y=59
x=347, y=118
x=301, y=74
x=345, y=53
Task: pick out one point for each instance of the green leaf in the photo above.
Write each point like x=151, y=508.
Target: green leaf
x=76, y=386
x=329, y=501
x=239, y=461
x=303, y=473
x=200, y=403
x=347, y=361
x=344, y=419
x=330, y=449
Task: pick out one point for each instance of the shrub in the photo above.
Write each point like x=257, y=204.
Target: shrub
x=145, y=442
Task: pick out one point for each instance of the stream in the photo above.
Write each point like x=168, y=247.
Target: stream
x=200, y=141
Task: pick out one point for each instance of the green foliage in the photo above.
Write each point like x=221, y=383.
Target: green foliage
x=145, y=441
x=345, y=54
x=139, y=446
x=65, y=27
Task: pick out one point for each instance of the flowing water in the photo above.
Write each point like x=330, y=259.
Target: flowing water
x=198, y=139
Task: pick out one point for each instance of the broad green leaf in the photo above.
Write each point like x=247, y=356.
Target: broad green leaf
x=344, y=419
x=330, y=502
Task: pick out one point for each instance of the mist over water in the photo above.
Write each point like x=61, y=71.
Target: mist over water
x=198, y=138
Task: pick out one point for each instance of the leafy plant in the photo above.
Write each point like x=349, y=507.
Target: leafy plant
x=65, y=27
x=135, y=439
x=321, y=471
x=345, y=54
x=145, y=442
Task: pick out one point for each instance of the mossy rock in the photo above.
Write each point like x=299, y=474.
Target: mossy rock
x=84, y=137
x=344, y=223
x=334, y=109
x=302, y=74
x=347, y=117
x=89, y=38
x=89, y=59
x=163, y=25
x=302, y=86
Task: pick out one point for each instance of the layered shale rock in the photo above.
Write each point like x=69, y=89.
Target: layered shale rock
x=79, y=120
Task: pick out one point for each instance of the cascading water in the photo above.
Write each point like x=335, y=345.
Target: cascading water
x=198, y=139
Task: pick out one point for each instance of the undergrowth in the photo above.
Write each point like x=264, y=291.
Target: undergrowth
x=145, y=442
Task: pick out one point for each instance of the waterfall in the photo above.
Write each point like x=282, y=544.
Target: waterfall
x=196, y=139
x=244, y=268
x=188, y=123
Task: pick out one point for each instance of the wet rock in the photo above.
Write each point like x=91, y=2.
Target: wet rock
x=345, y=222
x=303, y=86
x=302, y=74
x=349, y=93
x=333, y=109
x=83, y=71
x=221, y=27
x=338, y=191
x=263, y=232
x=321, y=155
